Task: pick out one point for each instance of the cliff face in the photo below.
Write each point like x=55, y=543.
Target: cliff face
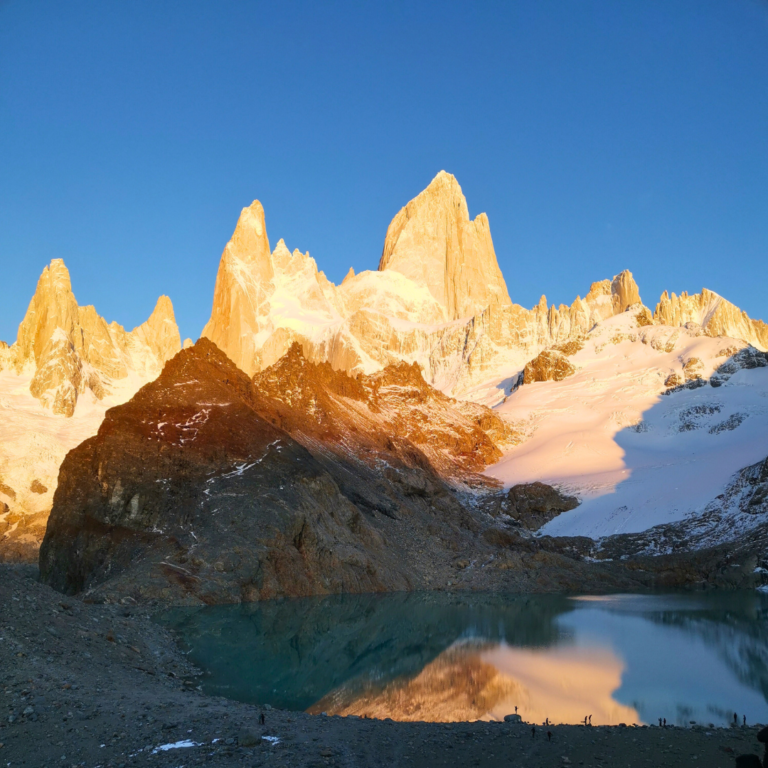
x=243, y=290
x=433, y=242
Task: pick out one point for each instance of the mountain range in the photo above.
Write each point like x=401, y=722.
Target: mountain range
x=411, y=427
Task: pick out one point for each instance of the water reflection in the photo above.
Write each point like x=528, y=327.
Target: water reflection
x=481, y=681
x=442, y=657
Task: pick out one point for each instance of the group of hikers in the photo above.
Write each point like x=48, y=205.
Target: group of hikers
x=742, y=761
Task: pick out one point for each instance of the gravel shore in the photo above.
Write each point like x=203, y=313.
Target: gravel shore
x=103, y=685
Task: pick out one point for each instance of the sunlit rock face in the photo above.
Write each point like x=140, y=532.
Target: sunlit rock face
x=438, y=300
x=714, y=314
x=486, y=681
x=381, y=418
x=433, y=242
x=71, y=349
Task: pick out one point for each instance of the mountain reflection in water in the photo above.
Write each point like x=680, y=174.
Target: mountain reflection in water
x=449, y=657
x=474, y=681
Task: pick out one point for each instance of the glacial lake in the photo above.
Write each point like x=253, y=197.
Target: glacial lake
x=455, y=657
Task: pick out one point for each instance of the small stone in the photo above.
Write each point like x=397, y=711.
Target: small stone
x=29, y=711
x=247, y=739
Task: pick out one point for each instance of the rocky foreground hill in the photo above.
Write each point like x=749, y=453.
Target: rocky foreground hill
x=210, y=487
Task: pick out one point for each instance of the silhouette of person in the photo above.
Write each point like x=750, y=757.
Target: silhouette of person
x=533, y=731
x=743, y=719
x=659, y=722
x=261, y=719
x=590, y=719
x=665, y=722
x=515, y=710
x=549, y=735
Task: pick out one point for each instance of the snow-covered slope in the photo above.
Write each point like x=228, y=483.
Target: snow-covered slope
x=638, y=457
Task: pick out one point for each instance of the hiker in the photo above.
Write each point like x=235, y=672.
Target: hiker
x=261, y=719
x=549, y=735
x=590, y=719
x=515, y=710
x=533, y=731
x=665, y=722
x=659, y=722
x=744, y=720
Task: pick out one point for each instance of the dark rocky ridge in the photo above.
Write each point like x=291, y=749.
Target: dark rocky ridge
x=187, y=491
x=204, y=488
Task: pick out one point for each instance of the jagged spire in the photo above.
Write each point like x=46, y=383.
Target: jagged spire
x=433, y=242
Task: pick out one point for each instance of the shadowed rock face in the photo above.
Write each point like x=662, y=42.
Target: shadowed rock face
x=535, y=504
x=187, y=492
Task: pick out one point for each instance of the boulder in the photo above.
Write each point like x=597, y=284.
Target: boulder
x=693, y=369
x=535, y=504
x=549, y=365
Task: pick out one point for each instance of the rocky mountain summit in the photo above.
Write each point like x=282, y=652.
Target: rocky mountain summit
x=390, y=416
x=433, y=243
x=71, y=349
x=438, y=299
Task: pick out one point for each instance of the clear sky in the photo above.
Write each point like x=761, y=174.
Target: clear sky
x=597, y=136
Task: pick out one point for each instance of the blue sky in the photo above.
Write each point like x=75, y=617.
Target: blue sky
x=597, y=136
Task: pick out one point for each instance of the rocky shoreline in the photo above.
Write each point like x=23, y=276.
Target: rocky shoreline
x=103, y=685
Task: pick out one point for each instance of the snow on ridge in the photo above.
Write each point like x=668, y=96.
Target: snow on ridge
x=635, y=457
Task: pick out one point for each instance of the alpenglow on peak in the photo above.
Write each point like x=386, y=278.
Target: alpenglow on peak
x=433, y=242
